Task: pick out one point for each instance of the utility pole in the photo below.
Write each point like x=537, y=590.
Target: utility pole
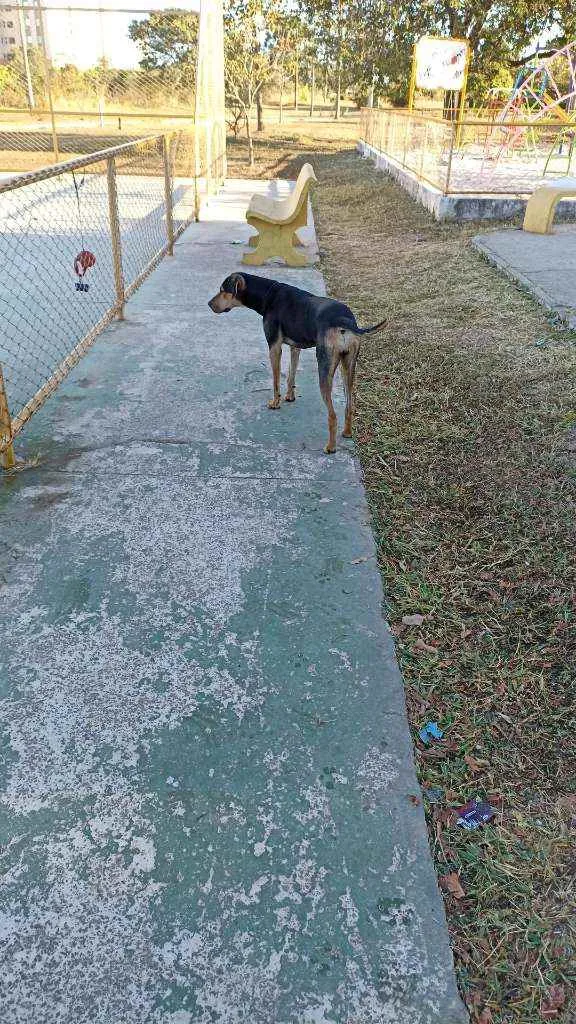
x=24, y=41
x=48, y=80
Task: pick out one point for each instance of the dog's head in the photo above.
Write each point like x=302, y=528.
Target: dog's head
x=230, y=294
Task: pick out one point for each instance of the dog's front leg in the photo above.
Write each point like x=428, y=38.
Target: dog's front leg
x=294, y=360
x=275, y=360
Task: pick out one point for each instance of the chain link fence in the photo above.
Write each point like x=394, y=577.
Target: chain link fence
x=476, y=157
x=128, y=104
x=74, y=80
x=76, y=241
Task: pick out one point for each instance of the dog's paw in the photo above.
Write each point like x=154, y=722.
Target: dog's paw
x=328, y=450
x=346, y=433
x=274, y=403
x=290, y=397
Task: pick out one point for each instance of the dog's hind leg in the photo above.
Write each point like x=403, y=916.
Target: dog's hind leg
x=349, y=360
x=275, y=361
x=328, y=358
x=294, y=360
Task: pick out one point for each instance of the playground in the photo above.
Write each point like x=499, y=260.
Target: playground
x=480, y=163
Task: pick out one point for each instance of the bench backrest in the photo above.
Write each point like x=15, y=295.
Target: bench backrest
x=299, y=194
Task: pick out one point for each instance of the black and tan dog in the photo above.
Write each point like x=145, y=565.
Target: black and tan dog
x=301, y=320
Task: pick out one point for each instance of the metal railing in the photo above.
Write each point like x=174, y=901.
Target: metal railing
x=478, y=156
x=76, y=241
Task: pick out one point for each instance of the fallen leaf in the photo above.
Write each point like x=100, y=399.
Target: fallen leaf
x=451, y=883
x=552, y=1002
x=568, y=803
x=414, y=799
x=486, y=1016
x=495, y=798
x=412, y=620
x=421, y=645
x=443, y=816
x=398, y=629
x=475, y=766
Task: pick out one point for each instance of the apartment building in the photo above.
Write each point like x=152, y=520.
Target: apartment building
x=17, y=23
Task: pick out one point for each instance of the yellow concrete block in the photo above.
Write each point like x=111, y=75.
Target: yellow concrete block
x=542, y=204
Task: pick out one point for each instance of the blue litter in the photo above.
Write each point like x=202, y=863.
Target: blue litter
x=431, y=731
x=475, y=813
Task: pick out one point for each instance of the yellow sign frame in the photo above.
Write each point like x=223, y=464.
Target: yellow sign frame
x=461, y=92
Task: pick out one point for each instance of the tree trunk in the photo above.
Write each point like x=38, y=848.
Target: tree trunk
x=281, y=118
x=312, y=87
x=339, y=63
x=296, y=83
x=259, y=112
x=450, y=105
x=371, y=91
x=249, y=140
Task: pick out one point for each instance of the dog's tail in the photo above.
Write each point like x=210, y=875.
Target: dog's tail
x=369, y=330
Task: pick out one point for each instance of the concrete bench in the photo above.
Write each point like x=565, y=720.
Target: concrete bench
x=277, y=221
x=542, y=204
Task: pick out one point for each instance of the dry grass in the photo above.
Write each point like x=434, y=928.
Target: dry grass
x=282, y=143
x=466, y=436
x=465, y=408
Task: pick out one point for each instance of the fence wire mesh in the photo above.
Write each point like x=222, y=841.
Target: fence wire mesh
x=75, y=242
x=77, y=239
x=101, y=60
x=75, y=80
x=479, y=156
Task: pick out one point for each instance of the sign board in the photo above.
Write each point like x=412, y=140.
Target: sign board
x=441, y=63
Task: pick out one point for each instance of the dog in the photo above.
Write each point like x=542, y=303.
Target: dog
x=300, y=320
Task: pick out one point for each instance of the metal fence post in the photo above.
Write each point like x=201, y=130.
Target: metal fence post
x=115, y=235
x=48, y=81
x=168, y=193
x=197, y=171
x=424, y=148
x=450, y=157
x=408, y=127
x=7, y=457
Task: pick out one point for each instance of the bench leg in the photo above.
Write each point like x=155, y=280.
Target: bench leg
x=275, y=241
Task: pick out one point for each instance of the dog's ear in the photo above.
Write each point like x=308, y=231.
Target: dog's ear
x=239, y=284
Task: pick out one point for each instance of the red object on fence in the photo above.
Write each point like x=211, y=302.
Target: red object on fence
x=83, y=262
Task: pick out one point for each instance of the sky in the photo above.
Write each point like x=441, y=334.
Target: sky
x=81, y=38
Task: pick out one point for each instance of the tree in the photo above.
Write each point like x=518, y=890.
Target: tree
x=169, y=42
x=13, y=77
x=369, y=43
x=500, y=35
x=247, y=60
x=335, y=28
x=286, y=31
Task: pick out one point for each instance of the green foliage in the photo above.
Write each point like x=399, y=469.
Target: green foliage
x=167, y=39
x=375, y=38
x=13, y=91
x=169, y=42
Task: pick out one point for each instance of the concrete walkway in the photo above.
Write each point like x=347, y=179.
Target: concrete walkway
x=545, y=264
x=207, y=813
